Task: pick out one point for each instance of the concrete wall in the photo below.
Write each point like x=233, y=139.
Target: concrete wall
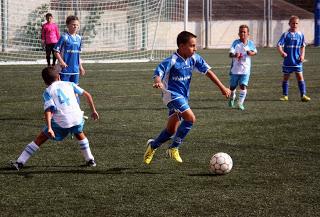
x=223, y=33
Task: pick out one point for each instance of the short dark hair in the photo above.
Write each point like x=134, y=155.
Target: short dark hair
x=48, y=15
x=71, y=18
x=184, y=37
x=49, y=74
x=244, y=26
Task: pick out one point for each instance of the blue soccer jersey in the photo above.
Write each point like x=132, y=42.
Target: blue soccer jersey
x=292, y=42
x=176, y=73
x=69, y=46
x=241, y=65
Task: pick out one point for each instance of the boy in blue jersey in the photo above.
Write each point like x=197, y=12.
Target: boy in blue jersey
x=291, y=47
x=173, y=77
x=67, y=50
x=241, y=51
x=63, y=116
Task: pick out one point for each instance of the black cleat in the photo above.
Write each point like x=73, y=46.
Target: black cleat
x=16, y=165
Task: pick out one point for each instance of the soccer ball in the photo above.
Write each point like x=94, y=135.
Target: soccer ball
x=220, y=163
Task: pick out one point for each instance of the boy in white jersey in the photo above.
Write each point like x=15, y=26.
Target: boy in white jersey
x=63, y=116
x=241, y=51
x=291, y=47
x=173, y=77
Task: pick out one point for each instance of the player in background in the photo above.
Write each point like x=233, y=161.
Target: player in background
x=63, y=116
x=173, y=77
x=291, y=47
x=67, y=51
x=241, y=52
x=49, y=37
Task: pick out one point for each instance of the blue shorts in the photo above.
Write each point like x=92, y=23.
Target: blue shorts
x=61, y=133
x=179, y=105
x=72, y=78
x=289, y=70
x=236, y=80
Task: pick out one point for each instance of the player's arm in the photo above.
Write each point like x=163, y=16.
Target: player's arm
x=94, y=113
x=212, y=76
x=251, y=53
x=280, y=50
x=48, y=117
x=157, y=82
x=82, y=71
x=303, y=52
x=58, y=56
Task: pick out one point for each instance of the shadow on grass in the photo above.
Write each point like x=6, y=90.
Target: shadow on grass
x=29, y=171
x=204, y=174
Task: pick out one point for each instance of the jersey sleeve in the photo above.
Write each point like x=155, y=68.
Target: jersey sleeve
x=48, y=102
x=233, y=47
x=162, y=68
x=76, y=88
x=59, y=46
x=201, y=65
x=252, y=47
x=281, y=40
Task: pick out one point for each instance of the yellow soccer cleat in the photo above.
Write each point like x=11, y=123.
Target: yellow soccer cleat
x=148, y=155
x=305, y=98
x=284, y=98
x=174, y=154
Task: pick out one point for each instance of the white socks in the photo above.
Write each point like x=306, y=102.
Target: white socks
x=242, y=96
x=85, y=149
x=28, y=151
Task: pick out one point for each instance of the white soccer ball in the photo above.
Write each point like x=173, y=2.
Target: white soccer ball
x=220, y=163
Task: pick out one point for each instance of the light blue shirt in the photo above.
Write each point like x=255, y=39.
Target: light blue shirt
x=242, y=65
x=176, y=73
x=69, y=46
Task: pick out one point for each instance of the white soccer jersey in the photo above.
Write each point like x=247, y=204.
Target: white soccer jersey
x=242, y=65
x=60, y=98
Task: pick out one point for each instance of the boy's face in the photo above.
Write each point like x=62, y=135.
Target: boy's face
x=49, y=19
x=188, y=49
x=294, y=25
x=243, y=34
x=73, y=26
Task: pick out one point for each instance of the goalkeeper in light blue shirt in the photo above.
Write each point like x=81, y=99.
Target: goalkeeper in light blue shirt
x=173, y=76
x=291, y=47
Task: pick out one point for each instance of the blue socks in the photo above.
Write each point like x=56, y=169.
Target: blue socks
x=162, y=138
x=182, y=132
x=302, y=87
x=285, y=88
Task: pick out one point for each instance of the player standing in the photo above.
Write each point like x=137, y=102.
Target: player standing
x=67, y=51
x=50, y=36
x=63, y=116
x=173, y=77
x=241, y=51
x=291, y=47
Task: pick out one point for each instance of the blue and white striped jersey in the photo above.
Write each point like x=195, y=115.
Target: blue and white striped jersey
x=292, y=42
x=69, y=46
x=176, y=73
x=242, y=65
x=60, y=98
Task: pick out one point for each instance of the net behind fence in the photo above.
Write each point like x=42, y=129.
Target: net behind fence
x=125, y=30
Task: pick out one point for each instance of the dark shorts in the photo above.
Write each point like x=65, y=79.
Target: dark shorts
x=70, y=77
